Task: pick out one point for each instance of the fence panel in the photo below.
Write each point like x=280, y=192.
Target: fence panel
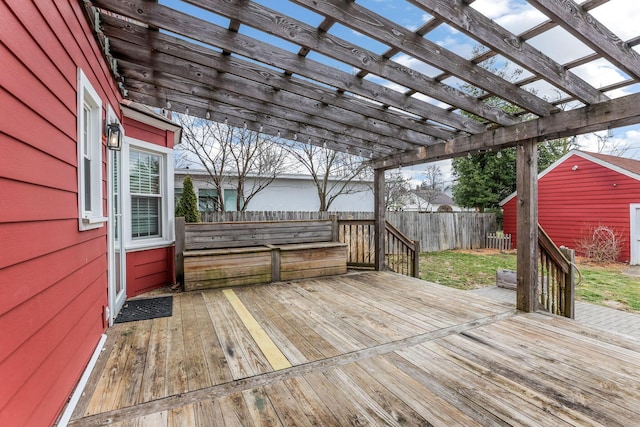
x=435, y=231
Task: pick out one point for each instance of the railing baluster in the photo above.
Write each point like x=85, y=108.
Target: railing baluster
x=401, y=254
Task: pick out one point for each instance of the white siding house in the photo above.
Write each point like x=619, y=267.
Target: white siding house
x=288, y=192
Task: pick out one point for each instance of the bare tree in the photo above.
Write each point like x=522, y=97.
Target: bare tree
x=258, y=156
x=332, y=172
x=431, y=187
x=230, y=155
x=397, y=192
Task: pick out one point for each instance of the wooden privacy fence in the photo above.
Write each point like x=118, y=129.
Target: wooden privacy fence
x=556, y=279
x=434, y=231
x=402, y=255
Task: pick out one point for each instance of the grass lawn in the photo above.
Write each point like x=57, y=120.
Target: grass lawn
x=601, y=284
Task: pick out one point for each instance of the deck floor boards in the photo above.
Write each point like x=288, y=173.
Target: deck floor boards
x=365, y=349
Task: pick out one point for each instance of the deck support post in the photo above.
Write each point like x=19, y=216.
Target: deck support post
x=527, y=228
x=379, y=218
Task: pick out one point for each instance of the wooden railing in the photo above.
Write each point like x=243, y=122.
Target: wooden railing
x=556, y=279
x=402, y=255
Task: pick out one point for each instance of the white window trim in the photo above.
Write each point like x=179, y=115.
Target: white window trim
x=166, y=190
x=94, y=218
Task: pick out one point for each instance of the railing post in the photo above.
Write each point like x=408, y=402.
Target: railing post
x=335, y=233
x=570, y=284
x=380, y=223
x=416, y=259
x=180, y=225
x=527, y=228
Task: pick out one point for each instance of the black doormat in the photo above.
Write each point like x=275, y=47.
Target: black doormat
x=145, y=309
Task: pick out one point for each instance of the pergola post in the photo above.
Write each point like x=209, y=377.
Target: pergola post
x=527, y=228
x=379, y=218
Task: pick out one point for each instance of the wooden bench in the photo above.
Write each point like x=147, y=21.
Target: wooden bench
x=213, y=255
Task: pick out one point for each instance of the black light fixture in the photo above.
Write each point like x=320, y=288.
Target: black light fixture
x=113, y=131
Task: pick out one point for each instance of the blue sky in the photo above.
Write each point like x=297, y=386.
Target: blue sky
x=621, y=16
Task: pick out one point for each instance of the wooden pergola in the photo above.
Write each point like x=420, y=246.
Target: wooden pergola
x=217, y=62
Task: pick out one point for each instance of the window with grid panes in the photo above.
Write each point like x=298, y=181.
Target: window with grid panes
x=146, y=194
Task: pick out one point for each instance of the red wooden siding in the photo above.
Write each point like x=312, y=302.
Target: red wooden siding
x=149, y=269
x=53, y=278
x=572, y=202
x=144, y=132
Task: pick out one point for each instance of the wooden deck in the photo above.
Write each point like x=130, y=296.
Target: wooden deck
x=359, y=349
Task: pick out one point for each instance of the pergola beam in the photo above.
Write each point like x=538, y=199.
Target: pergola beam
x=249, y=116
x=613, y=113
x=290, y=107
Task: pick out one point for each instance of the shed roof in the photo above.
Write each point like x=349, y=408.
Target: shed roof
x=217, y=59
x=628, y=167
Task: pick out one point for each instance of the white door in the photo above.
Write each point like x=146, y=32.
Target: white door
x=634, y=239
x=117, y=256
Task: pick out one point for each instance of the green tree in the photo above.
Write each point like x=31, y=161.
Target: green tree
x=481, y=181
x=188, y=204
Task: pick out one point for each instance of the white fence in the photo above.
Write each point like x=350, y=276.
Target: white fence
x=435, y=231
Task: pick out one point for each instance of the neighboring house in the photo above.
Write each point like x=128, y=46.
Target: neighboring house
x=288, y=192
x=582, y=191
x=81, y=226
x=419, y=204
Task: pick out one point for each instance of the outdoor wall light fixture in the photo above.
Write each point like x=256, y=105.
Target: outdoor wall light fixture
x=574, y=168
x=113, y=131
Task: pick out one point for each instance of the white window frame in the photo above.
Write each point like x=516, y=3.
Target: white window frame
x=87, y=96
x=167, y=208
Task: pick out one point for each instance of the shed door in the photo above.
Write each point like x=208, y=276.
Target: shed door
x=635, y=234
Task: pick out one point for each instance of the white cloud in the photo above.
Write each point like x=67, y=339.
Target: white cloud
x=493, y=9
x=459, y=45
x=624, y=25
x=417, y=65
x=599, y=73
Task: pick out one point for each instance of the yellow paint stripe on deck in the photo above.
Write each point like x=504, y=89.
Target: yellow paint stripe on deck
x=274, y=356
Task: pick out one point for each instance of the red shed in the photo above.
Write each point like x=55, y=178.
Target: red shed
x=64, y=238
x=583, y=191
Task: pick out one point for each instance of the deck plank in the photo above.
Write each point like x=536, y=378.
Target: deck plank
x=293, y=345
x=419, y=397
x=234, y=411
x=376, y=323
x=176, y=370
x=182, y=416
x=208, y=413
x=195, y=365
x=369, y=383
x=155, y=371
x=260, y=408
x=294, y=324
x=242, y=354
x=329, y=327
x=287, y=409
x=216, y=364
x=366, y=349
x=131, y=385
x=158, y=419
x=309, y=402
